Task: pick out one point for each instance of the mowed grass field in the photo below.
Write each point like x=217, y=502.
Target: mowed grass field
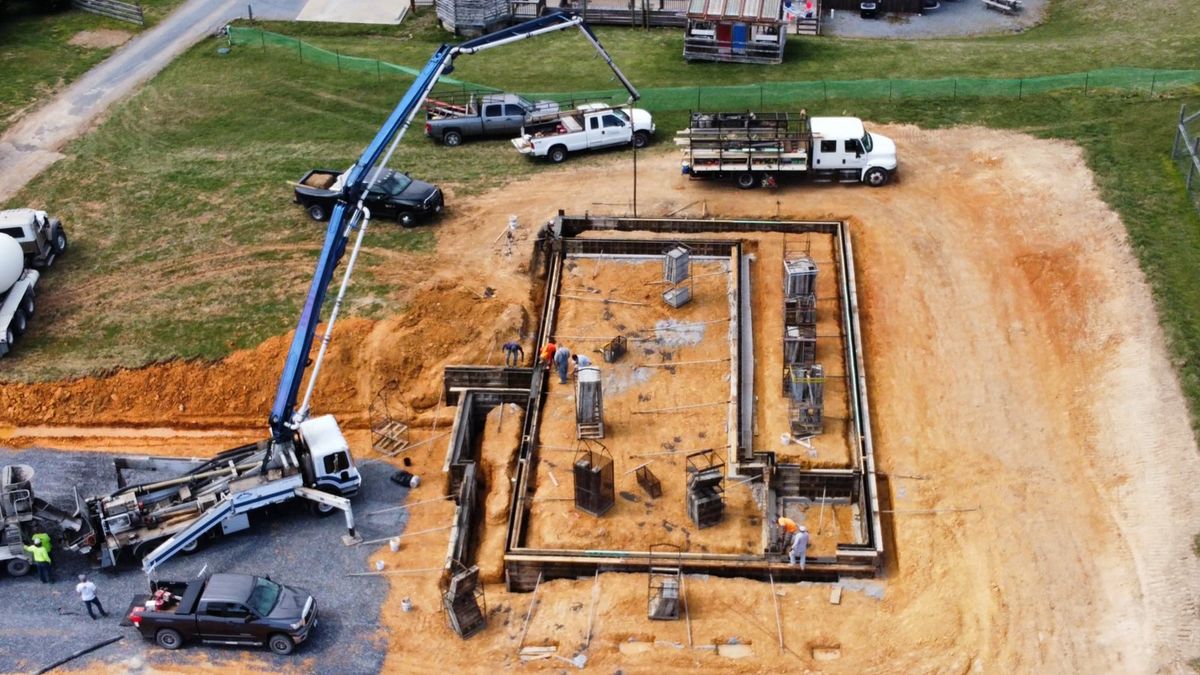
x=36, y=57
x=186, y=243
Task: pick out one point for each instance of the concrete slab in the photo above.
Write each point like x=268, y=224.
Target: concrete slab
x=355, y=11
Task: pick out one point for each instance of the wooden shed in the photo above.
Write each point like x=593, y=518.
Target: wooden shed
x=741, y=31
x=470, y=18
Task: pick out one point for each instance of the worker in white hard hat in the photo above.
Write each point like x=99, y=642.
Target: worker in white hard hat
x=800, y=544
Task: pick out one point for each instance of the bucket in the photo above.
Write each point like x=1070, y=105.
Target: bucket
x=394, y=544
x=379, y=565
x=406, y=605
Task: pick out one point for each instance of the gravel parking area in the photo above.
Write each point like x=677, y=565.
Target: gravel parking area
x=954, y=18
x=43, y=623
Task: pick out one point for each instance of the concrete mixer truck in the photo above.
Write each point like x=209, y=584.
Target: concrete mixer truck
x=29, y=240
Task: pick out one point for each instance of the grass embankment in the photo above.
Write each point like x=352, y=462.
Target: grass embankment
x=36, y=57
x=187, y=245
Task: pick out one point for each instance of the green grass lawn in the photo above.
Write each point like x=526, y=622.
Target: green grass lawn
x=186, y=243
x=36, y=57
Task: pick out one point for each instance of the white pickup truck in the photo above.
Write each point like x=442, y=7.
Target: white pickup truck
x=590, y=126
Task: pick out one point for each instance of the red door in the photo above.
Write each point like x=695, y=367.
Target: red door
x=724, y=38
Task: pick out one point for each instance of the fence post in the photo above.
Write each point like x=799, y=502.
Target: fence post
x=1020, y=88
x=889, y=89
x=262, y=37
x=1192, y=161
x=697, y=98
x=825, y=90
x=1153, y=80
x=1086, y=77
x=956, y=89
x=378, y=77
x=300, y=48
x=760, y=97
x=338, y=54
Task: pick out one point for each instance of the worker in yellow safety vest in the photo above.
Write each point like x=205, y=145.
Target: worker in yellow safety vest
x=41, y=558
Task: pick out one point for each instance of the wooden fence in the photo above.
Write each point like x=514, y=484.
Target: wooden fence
x=115, y=9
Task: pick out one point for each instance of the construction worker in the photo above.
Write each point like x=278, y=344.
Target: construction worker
x=513, y=354
x=581, y=361
x=41, y=559
x=800, y=544
x=787, y=530
x=87, y=593
x=562, y=359
x=548, y=353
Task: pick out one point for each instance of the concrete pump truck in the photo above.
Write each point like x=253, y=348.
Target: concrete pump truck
x=305, y=457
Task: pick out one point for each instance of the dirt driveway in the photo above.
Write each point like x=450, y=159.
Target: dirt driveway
x=1016, y=365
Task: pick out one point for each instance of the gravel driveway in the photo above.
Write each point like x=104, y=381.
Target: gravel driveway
x=43, y=623
x=954, y=18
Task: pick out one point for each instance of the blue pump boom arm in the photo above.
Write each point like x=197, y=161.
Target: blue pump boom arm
x=347, y=210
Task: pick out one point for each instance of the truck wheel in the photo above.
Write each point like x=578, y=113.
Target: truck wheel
x=8, y=337
x=168, y=638
x=641, y=139
x=59, y=241
x=191, y=547
x=17, y=567
x=876, y=177
x=28, y=305
x=316, y=212
x=406, y=220
x=19, y=323
x=746, y=180
x=557, y=154
x=452, y=138
x=281, y=644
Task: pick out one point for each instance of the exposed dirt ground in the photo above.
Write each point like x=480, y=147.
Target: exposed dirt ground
x=1014, y=359
x=101, y=38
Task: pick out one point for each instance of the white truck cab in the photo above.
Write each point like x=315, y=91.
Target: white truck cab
x=333, y=467
x=841, y=144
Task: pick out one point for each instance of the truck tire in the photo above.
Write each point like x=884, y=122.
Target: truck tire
x=17, y=567
x=191, y=547
x=876, y=177
x=168, y=638
x=641, y=139
x=452, y=138
x=557, y=154
x=28, y=303
x=746, y=180
x=20, y=322
x=406, y=220
x=317, y=212
x=281, y=644
x=58, y=240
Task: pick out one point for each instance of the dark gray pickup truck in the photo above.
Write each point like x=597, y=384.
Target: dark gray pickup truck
x=234, y=609
x=494, y=115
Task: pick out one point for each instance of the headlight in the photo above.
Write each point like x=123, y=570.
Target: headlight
x=297, y=625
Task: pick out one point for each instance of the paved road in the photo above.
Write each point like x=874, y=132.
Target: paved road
x=41, y=623
x=34, y=143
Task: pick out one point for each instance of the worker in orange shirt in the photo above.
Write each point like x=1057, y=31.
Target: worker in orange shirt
x=787, y=530
x=548, y=353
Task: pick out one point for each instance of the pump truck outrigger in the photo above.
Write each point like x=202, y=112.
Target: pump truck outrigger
x=307, y=458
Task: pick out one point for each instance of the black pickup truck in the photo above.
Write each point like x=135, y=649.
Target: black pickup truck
x=394, y=195
x=236, y=609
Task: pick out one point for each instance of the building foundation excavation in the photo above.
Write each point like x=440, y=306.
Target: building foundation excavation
x=717, y=403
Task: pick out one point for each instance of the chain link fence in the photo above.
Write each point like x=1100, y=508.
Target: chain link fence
x=1186, y=151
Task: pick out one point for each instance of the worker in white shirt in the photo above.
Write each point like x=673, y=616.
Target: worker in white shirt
x=87, y=593
x=581, y=361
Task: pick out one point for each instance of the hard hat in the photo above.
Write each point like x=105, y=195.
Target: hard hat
x=803, y=528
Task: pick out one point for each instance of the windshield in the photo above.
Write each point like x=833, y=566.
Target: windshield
x=867, y=143
x=621, y=113
x=393, y=184
x=264, y=596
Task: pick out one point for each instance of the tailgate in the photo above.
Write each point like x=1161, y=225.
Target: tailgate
x=523, y=144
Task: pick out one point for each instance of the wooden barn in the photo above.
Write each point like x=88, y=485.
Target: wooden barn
x=740, y=31
x=470, y=18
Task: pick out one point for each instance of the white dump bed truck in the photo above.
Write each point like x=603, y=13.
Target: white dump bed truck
x=756, y=148
x=588, y=127
x=16, y=293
